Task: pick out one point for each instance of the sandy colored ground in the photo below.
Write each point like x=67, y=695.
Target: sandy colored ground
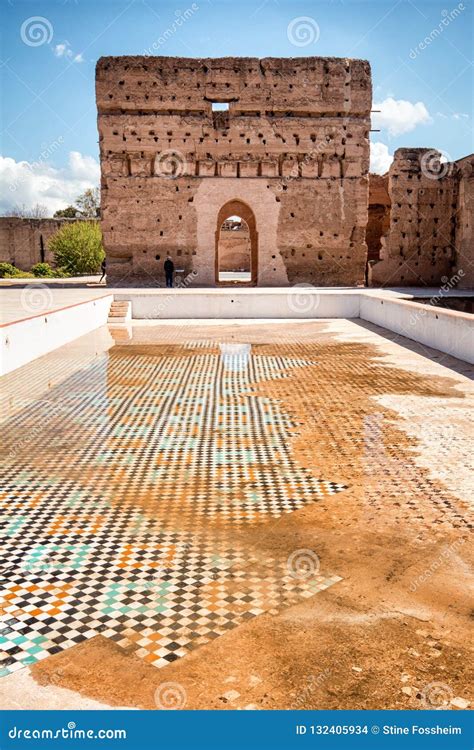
x=395, y=632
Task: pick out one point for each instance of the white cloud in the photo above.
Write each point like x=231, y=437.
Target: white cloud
x=84, y=167
x=380, y=158
x=60, y=50
x=400, y=116
x=64, y=50
x=22, y=182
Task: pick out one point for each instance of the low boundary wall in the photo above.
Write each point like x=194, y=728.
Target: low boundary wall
x=287, y=302
x=27, y=339
x=448, y=331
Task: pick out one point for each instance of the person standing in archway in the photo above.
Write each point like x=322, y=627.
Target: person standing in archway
x=169, y=270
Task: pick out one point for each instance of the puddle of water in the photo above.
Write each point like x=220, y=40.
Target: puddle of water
x=123, y=492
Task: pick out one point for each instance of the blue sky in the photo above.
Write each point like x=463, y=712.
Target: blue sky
x=420, y=52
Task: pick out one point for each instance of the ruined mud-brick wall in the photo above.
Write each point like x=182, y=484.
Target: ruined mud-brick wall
x=465, y=222
x=430, y=228
x=22, y=240
x=234, y=249
x=378, y=222
x=293, y=147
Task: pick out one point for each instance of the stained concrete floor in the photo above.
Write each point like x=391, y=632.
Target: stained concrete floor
x=298, y=497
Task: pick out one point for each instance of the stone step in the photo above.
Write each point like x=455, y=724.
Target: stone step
x=120, y=312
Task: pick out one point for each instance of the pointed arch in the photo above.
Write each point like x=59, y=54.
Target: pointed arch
x=237, y=207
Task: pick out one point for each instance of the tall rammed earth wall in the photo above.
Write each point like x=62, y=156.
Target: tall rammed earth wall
x=429, y=239
x=465, y=222
x=293, y=147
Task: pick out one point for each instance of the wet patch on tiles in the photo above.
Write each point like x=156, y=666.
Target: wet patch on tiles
x=123, y=493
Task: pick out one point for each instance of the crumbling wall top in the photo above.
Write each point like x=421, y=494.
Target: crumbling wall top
x=309, y=85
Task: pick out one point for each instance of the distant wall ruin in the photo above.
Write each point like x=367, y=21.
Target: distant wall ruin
x=24, y=242
x=464, y=237
x=293, y=146
x=234, y=247
x=429, y=237
x=378, y=221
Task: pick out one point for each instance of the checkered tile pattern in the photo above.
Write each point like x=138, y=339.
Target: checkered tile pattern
x=123, y=491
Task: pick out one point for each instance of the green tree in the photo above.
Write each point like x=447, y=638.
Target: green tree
x=86, y=205
x=77, y=247
x=66, y=213
x=89, y=203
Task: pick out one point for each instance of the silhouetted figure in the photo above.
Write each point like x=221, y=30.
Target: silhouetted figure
x=102, y=268
x=169, y=270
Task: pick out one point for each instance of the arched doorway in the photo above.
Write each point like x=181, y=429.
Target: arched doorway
x=236, y=245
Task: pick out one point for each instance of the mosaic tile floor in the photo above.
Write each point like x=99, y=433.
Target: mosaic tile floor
x=122, y=492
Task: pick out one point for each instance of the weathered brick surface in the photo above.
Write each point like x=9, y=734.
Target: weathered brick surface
x=293, y=146
x=430, y=231
x=20, y=240
x=378, y=222
x=234, y=249
x=465, y=222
